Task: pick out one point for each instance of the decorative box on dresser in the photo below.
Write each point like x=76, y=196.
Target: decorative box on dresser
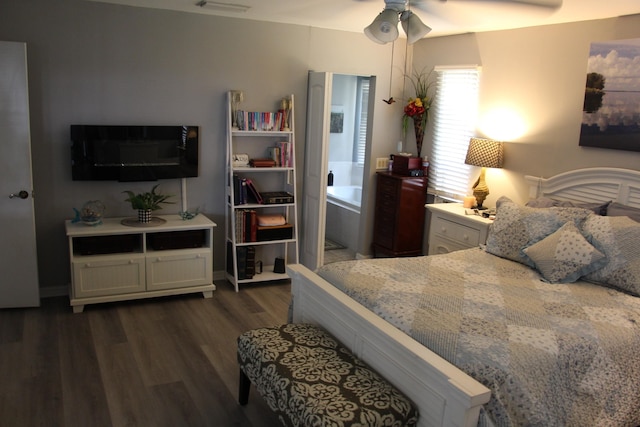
x=451, y=229
x=399, y=218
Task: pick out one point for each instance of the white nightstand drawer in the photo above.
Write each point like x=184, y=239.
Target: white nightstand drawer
x=452, y=230
x=457, y=232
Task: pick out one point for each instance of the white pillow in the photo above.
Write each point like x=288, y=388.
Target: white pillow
x=565, y=255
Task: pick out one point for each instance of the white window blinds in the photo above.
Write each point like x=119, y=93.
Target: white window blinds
x=362, y=105
x=454, y=114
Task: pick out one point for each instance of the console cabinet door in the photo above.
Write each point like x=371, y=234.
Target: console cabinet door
x=108, y=276
x=167, y=270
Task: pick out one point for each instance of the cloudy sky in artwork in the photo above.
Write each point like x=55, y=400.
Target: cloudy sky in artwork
x=619, y=62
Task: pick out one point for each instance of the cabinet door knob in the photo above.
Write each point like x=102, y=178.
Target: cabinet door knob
x=87, y=265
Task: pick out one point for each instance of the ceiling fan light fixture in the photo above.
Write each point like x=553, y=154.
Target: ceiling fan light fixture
x=413, y=27
x=384, y=28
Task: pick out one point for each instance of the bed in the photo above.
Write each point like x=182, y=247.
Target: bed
x=445, y=394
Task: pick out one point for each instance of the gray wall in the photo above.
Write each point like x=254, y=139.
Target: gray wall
x=96, y=63
x=538, y=75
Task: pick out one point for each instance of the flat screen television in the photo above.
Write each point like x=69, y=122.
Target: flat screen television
x=133, y=153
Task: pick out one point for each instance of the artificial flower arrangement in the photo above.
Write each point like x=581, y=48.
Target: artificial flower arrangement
x=417, y=108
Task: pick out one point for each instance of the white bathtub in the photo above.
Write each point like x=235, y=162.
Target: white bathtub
x=343, y=215
x=348, y=197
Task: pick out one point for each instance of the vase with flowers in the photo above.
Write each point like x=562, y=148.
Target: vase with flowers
x=417, y=108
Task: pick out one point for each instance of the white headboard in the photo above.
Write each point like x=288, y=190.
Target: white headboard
x=589, y=185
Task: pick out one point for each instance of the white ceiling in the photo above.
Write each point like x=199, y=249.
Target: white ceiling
x=444, y=17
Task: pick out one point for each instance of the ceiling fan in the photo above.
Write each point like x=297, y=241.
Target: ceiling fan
x=384, y=28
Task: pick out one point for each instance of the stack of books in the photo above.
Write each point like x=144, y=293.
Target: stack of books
x=282, y=154
x=246, y=256
x=246, y=226
x=245, y=191
x=262, y=121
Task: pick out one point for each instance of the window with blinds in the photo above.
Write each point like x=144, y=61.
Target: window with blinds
x=362, y=106
x=454, y=118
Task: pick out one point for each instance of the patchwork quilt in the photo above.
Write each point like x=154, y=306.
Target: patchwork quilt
x=552, y=354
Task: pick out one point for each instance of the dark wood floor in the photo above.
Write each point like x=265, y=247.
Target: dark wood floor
x=157, y=362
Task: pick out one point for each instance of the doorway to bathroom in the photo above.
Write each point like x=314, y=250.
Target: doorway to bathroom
x=339, y=111
x=347, y=145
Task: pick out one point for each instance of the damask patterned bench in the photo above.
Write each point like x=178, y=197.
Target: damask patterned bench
x=309, y=379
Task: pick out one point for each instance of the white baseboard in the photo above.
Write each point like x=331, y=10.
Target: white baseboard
x=54, y=291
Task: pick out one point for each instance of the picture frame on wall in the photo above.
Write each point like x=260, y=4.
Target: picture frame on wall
x=337, y=120
x=611, y=109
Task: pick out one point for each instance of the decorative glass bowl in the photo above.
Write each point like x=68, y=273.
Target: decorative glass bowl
x=186, y=215
x=92, y=212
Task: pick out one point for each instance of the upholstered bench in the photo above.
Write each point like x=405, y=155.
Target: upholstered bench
x=309, y=379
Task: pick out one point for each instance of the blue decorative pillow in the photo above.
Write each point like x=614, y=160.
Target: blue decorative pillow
x=545, y=202
x=618, y=209
x=517, y=227
x=619, y=239
x=565, y=255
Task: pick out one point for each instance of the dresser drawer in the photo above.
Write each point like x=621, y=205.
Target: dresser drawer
x=466, y=236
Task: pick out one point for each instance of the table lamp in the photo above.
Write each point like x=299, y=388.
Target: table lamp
x=485, y=153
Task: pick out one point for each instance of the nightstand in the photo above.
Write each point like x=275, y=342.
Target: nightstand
x=451, y=229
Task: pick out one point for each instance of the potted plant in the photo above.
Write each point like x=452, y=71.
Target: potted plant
x=146, y=202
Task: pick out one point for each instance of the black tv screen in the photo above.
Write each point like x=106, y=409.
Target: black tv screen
x=133, y=153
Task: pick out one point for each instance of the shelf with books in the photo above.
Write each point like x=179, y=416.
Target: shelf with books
x=261, y=182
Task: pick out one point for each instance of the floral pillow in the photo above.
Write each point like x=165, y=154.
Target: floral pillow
x=517, y=227
x=619, y=239
x=565, y=255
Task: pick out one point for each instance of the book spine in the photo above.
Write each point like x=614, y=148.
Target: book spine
x=238, y=230
x=253, y=225
x=242, y=262
x=250, y=263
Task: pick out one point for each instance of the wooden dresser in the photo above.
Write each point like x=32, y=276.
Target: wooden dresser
x=399, y=217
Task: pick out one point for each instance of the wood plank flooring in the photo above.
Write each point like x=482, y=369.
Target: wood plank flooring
x=157, y=362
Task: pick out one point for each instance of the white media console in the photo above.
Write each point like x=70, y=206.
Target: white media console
x=116, y=262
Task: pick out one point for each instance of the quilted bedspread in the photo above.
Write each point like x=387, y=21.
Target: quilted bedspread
x=552, y=354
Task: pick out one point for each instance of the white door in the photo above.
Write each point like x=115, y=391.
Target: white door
x=314, y=207
x=19, y=282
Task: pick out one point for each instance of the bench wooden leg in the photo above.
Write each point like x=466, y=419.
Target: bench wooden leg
x=243, y=390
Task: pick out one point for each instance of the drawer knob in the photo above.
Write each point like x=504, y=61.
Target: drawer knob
x=444, y=229
x=465, y=237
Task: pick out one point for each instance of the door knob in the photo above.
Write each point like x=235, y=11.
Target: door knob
x=22, y=194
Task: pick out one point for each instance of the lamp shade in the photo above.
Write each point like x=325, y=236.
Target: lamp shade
x=413, y=27
x=384, y=28
x=486, y=153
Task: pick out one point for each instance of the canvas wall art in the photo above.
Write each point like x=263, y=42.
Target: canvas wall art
x=611, y=110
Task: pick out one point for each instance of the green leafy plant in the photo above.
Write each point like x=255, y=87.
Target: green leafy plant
x=149, y=200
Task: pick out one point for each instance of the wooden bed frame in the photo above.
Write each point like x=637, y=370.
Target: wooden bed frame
x=445, y=395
